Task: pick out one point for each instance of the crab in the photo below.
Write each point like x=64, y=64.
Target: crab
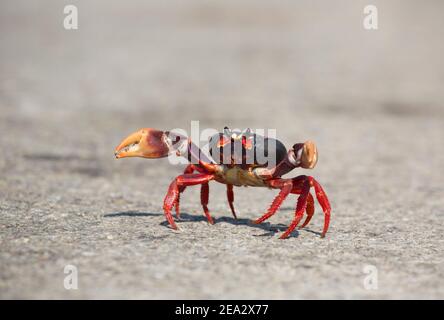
x=233, y=160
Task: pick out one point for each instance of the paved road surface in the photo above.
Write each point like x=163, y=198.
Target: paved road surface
x=372, y=101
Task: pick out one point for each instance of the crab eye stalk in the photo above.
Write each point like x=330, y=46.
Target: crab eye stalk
x=309, y=155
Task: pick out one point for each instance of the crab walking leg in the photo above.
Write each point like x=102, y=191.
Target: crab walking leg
x=310, y=210
x=204, y=195
x=189, y=169
x=285, y=191
x=300, y=208
x=176, y=204
x=325, y=205
x=204, y=191
x=230, y=197
x=173, y=191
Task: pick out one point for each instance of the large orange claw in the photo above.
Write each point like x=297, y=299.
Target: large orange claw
x=145, y=143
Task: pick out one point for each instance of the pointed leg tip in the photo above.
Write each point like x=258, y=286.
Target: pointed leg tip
x=284, y=236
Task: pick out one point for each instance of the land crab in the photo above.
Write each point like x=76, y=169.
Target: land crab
x=233, y=160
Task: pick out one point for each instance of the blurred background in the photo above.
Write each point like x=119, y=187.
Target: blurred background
x=372, y=100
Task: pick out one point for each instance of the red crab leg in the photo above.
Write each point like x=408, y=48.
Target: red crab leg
x=299, y=185
x=188, y=169
x=173, y=191
x=300, y=208
x=310, y=210
x=230, y=196
x=285, y=191
x=325, y=204
x=176, y=204
x=204, y=195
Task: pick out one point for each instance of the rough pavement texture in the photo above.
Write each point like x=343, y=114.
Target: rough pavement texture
x=372, y=100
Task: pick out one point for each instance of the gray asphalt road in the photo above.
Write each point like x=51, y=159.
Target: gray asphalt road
x=372, y=101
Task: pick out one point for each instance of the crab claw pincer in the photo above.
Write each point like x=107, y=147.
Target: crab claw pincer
x=145, y=143
x=309, y=155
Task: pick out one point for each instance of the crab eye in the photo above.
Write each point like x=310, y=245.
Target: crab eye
x=222, y=141
x=247, y=142
x=247, y=131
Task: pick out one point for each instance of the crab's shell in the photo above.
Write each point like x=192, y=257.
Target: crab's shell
x=250, y=154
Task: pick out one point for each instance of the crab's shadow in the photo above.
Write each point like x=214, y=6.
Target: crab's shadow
x=270, y=229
